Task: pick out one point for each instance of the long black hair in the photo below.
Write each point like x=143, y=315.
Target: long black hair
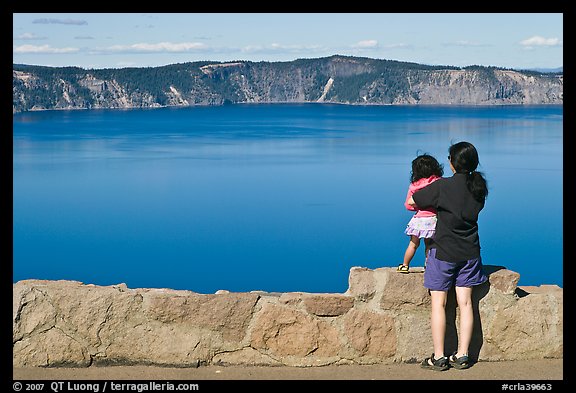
x=425, y=166
x=464, y=159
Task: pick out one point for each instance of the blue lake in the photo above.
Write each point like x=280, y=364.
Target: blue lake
x=269, y=197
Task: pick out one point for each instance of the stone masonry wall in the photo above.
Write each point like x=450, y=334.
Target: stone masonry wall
x=383, y=317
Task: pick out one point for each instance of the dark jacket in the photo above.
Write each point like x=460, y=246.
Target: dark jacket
x=456, y=237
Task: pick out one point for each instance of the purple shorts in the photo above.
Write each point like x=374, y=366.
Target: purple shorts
x=442, y=275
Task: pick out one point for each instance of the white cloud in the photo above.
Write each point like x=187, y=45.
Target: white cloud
x=366, y=44
x=48, y=21
x=144, y=47
x=398, y=46
x=540, y=41
x=169, y=46
x=275, y=47
x=252, y=48
x=42, y=49
x=464, y=43
x=29, y=36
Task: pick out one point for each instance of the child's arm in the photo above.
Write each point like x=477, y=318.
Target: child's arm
x=409, y=204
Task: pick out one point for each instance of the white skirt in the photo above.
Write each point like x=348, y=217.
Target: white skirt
x=421, y=227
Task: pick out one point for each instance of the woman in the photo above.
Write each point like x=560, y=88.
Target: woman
x=454, y=257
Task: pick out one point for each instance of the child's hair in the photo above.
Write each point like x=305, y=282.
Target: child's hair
x=425, y=166
x=464, y=159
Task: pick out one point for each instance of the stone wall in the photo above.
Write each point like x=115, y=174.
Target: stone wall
x=383, y=317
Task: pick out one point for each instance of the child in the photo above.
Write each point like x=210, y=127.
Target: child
x=425, y=170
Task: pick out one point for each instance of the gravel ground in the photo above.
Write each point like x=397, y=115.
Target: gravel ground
x=524, y=370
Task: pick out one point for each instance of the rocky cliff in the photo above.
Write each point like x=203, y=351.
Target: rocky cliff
x=335, y=79
x=383, y=317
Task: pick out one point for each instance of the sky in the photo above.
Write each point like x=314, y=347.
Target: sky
x=118, y=40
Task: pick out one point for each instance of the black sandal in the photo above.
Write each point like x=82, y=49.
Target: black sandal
x=441, y=364
x=460, y=363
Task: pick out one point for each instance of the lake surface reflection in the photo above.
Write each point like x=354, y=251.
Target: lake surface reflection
x=269, y=197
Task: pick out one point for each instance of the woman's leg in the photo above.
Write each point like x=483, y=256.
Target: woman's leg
x=438, y=321
x=411, y=250
x=464, y=299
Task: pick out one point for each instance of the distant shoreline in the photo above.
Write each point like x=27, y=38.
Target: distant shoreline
x=286, y=103
x=335, y=79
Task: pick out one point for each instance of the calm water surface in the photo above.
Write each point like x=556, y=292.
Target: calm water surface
x=269, y=197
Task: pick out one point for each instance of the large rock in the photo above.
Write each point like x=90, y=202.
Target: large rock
x=531, y=327
x=320, y=304
x=383, y=317
x=228, y=313
x=113, y=325
x=361, y=283
x=371, y=335
x=504, y=280
x=296, y=337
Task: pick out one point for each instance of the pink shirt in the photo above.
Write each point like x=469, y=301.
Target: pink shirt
x=418, y=184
